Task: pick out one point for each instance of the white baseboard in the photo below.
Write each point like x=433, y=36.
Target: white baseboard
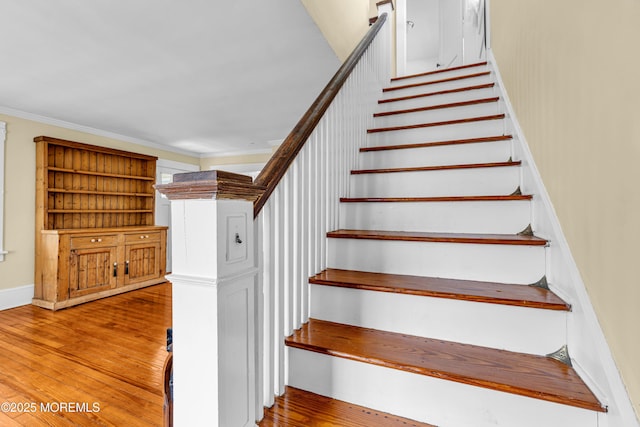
x=15, y=297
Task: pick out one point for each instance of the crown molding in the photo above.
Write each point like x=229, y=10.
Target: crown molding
x=93, y=131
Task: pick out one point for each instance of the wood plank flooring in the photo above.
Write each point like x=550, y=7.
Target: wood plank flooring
x=299, y=408
x=102, y=359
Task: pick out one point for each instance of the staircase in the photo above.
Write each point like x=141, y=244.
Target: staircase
x=434, y=304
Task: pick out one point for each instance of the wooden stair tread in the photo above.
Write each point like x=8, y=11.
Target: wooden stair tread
x=439, y=106
x=496, y=138
x=435, y=199
x=440, y=92
x=300, y=408
x=444, y=70
x=422, y=236
x=449, y=79
x=466, y=290
x=523, y=374
x=437, y=168
x=442, y=123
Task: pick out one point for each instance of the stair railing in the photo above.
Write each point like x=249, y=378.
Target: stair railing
x=240, y=287
x=304, y=181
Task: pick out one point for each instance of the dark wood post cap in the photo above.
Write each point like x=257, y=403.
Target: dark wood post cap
x=212, y=184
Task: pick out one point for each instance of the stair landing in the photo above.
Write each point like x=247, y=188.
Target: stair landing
x=299, y=408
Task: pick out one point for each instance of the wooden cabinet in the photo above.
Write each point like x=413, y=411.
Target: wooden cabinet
x=142, y=256
x=90, y=270
x=95, y=233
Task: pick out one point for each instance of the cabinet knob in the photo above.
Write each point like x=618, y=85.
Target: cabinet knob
x=144, y=237
x=96, y=240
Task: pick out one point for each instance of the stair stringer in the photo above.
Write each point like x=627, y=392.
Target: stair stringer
x=589, y=350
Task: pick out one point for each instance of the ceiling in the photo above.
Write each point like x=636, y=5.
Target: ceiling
x=201, y=77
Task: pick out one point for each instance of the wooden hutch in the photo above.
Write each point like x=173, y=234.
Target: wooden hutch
x=95, y=233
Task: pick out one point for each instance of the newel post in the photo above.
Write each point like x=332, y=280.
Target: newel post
x=214, y=293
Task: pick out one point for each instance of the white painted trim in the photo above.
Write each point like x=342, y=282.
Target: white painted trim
x=585, y=338
x=211, y=282
x=487, y=25
x=238, y=167
x=93, y=131
x=16, y=297
x=249, y=169
x=172, y=164
x=235, y=153
x=401, y=37
x=3, y=135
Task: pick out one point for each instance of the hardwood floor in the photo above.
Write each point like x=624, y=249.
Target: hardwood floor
x=96, y=364
x=299, y=408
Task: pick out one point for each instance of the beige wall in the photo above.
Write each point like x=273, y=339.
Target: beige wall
x=343, y=23
x=19, y=206
x=207, y=163
x=572, y=72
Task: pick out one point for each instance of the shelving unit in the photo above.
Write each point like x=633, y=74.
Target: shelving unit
x=92, y=203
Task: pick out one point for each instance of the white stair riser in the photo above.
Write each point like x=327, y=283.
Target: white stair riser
x=426, y=101
x=497, y=217
x=452, y=182
x=475, y=129
x=493, y=263
x=440, y=76
x=472, y=81
x=527, y=330
x=426, y=399
x=438, y=115
x=479, y=152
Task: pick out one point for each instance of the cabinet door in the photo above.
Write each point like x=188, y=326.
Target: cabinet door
x=91, y=270
x=142, y=262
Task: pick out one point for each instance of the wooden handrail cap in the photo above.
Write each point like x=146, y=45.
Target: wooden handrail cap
x=212, y=184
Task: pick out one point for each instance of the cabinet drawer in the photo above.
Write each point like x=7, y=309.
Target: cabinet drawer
x=142, y=237
x=93, y=241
